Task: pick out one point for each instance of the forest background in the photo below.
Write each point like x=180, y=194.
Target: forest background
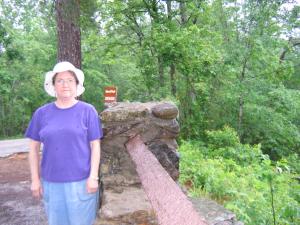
x=232, y=68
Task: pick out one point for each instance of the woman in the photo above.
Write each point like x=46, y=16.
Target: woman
x=70, y=131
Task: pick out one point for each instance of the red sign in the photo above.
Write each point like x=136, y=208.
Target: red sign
x=110, y=94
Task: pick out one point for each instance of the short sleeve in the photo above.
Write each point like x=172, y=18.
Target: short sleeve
x=34, y=127
x=94, y=125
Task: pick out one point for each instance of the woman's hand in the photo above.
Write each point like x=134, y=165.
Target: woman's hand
x=93, y=180
x=92, y=185
x=36, y=189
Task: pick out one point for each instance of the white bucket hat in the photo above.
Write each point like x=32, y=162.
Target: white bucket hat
x=61, y=67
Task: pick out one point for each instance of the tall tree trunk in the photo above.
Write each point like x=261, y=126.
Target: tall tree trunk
x=172, y=79
x=68, y=31
x=172, y=66
x=224, y=22
x=183, y=15
x=241, y=99
x=241, y=108
x=169, y=9
x=152, y=9
x=161, y=70
x=2, y=109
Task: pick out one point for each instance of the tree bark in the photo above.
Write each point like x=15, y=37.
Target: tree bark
x=241, y=99
x=2, y=108
x=172, y=66
x=172, y=78
x=68, y=31
x=169, y=9
x=224, y=23
x=152, y=9
x=160, y=59
x=183, y=15
x=293, y=42
x=161, y=70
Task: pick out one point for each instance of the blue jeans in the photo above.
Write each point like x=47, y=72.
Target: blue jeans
x=69, y=203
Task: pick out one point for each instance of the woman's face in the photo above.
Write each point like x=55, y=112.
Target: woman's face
x=65, y=85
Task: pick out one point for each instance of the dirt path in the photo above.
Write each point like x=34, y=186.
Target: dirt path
x=17, y=207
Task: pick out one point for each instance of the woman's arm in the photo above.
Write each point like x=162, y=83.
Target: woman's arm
x=34, y=163
x=92, y=182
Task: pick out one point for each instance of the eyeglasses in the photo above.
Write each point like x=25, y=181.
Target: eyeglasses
x=62, y=82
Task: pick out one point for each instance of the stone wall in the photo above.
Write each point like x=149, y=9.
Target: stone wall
x=124, y=201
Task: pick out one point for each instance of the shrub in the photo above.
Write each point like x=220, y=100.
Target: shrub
x=255, y=190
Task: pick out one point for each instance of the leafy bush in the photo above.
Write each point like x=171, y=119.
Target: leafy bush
x=223, y=138
x=225, y=143
x=255, y=190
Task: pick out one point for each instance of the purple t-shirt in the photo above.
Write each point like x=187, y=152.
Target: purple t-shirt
x=66, y=135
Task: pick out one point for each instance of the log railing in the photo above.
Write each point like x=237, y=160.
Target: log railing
x=168, y=201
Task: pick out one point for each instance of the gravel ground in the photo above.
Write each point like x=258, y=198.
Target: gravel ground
x=17, y=207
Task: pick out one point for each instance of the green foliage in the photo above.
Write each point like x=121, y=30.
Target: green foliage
x=225, y=144
x=274, y=123
x=28, y=51
x=223, y=138
x=245, y=188
x=219, y=61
